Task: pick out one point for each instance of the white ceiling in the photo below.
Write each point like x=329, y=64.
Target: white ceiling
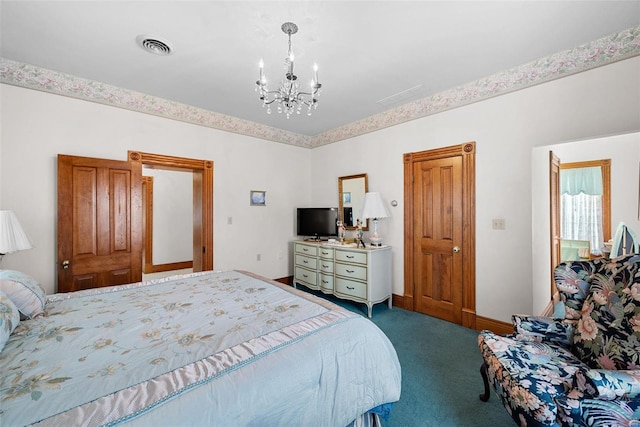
x=366, y=50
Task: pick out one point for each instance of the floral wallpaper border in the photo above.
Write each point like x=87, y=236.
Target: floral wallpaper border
x=606, y=50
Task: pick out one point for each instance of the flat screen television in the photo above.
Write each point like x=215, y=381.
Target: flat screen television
x=317, y=223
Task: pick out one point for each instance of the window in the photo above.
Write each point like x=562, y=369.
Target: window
x=584, y=203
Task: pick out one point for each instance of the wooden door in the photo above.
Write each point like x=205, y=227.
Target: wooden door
x=99, y=222
x=439, y=241
x=554, y=193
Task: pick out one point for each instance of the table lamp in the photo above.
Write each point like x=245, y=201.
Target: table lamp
x=374, y=208
x=12, y=236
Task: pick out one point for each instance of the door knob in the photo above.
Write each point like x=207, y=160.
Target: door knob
x=456, y=249
x=65, y=264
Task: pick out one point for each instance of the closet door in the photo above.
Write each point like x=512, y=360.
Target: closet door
x=99, y=222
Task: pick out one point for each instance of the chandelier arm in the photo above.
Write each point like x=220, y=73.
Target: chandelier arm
x=307, y=103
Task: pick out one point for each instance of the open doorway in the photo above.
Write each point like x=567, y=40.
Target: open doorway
x=167, y=204
x=580, y=194
x=623, y=152
x=200, y=174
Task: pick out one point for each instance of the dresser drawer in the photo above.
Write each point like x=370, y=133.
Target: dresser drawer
x=347, y=256
x=354, y=289
x=307, y=262
x=351, y=271
x=326, y=266
x=306, y=277
x=326, y=253
x=307, y=250
x=326, y=282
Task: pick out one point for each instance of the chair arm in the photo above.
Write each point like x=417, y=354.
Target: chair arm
x=540, y=329
x=608, y=384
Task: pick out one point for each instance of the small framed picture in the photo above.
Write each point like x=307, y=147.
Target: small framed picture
x=258, y=198
x=346, y=197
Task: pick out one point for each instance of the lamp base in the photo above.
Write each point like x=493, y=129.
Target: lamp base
x=375, y=240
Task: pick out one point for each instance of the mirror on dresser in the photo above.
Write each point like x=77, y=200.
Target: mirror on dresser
x=351, y=191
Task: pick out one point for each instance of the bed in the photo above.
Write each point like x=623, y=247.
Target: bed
x=212, y=348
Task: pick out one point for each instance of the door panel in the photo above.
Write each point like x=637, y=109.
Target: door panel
x=99, y=222
x=84, y=191
x=120, y=215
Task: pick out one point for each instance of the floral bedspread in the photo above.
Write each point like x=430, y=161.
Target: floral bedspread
x=106, y=356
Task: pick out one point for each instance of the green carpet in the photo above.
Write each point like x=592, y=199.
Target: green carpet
x=440, y=364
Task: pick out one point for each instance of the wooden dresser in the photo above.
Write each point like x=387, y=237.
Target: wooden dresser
x=362, y=275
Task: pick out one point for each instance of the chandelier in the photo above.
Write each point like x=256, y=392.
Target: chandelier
x=288, y=97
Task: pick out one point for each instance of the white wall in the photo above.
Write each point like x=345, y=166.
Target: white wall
x=36, y=126
x=603, y=101
x=624, y=152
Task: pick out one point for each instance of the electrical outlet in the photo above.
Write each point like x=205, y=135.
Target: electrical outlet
x=258, y=257
x=230, y=220
x=497, y=223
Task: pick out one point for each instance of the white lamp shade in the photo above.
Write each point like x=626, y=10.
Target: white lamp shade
x=12, y=236
x=374, y=207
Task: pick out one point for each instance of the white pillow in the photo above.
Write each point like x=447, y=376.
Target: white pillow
x=24, y=291
x=9, y=318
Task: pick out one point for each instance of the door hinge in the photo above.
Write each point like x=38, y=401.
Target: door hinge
x=204, y=249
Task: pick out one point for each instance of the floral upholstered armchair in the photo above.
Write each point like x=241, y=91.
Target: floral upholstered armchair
x=582, y=367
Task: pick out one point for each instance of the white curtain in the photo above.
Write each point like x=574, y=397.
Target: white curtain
x=581, y=219
x=581, y=206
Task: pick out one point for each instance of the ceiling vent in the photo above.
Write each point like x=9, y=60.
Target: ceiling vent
x=154, y=45
x=400, y=96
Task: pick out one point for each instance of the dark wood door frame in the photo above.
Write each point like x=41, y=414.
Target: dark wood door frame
x=467, y=151
x=554, y=196
x=202, y=201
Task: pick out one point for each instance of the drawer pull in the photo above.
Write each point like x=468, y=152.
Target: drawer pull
x=350, y=256
x=325, y=266
x=305, y=249
x=304, y=261
x=325, y=282
x=350, y=288
x=305, y=276
x=351, y=271
x=325, y=253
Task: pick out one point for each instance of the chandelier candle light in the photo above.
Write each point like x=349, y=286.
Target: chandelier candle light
x=288, y=96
